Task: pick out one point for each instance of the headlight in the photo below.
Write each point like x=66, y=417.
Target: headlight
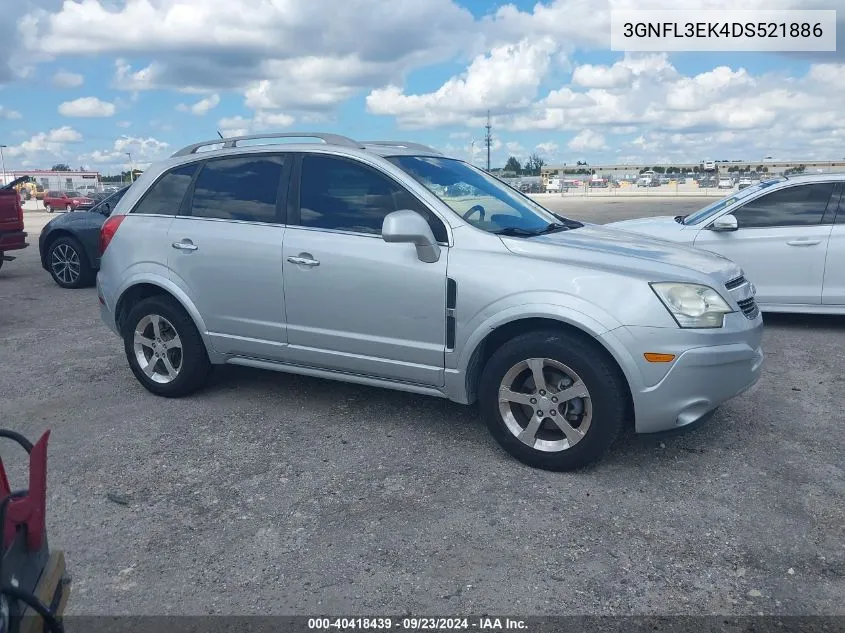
x=692, y=305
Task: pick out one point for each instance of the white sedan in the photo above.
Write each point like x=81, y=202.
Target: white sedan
x=788, y=235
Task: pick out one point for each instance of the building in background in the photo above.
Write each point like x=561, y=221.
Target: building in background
x=61, y=180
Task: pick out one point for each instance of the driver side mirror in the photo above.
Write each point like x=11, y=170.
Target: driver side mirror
x=725, y=223
x=409, y=226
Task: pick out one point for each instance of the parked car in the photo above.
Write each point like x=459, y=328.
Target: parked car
x=725, y=183
x=744, y=182
x=12, y=235
x=67, y=200
x=559, y=330
x=786, y=233
x=68, y=245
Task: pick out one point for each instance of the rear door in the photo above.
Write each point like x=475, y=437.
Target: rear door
x=226, y=252
x=833, y=291
x=781, y=243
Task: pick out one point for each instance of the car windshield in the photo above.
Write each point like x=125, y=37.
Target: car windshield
x=706, y=212
x=482, y=200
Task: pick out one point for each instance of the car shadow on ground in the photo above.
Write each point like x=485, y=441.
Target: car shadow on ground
x=373, y=410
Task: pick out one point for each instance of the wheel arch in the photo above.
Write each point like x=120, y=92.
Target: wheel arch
x=56, y=234
x=144, y=288
x=508, y=329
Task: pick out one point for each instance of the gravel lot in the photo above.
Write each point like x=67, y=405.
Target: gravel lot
x=288, y=495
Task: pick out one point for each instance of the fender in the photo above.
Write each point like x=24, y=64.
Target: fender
x=573, y=311
x=155, y=278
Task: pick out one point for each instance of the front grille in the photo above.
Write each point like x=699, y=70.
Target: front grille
x=735, y=283
x=749, y=308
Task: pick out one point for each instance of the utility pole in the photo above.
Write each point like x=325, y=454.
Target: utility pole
x=488, y=139
x=131, y=170
x=3, y=162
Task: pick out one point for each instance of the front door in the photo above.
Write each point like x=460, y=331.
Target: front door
x=354, y=302
x=781, y=243
x=226, y=253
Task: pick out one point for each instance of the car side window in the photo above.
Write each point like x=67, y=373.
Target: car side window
x=340, y=194
x=165, y=196
x=244, y=188
x=802, y=205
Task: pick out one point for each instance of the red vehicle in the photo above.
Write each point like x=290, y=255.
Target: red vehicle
x=67, y=200
x=12, y=236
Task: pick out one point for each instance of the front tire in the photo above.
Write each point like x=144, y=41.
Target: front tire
x=552, y=400
x=68, y=208
x=68, y=264
x=164, y=348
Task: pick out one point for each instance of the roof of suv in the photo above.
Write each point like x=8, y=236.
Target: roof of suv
x=323, y=139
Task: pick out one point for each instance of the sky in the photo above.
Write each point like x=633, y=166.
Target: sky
x=88, y=82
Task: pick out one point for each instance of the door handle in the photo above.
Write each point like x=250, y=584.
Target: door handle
x=185, y=245
x=804, y=242
x=303, y=261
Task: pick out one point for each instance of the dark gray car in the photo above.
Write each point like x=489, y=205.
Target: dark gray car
x=69, y=243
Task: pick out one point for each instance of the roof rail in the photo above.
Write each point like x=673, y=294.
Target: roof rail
x=329, y=139
x=405, y=144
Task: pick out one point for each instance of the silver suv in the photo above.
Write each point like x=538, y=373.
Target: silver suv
x=390, y=264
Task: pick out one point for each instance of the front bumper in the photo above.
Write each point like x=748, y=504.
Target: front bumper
x=669, y=396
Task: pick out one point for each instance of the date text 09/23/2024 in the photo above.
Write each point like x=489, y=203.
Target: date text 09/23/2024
x=416, y=624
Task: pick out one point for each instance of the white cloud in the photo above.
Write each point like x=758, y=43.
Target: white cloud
x=587, y=140
x=45, y=144
x=65, y=79
x=6, y=113
x=506, y=79
x=124, y=124
x=261, y=122
x=201, y=107
x=143, y=150
x=589, y=76
x=255, y=46
x=88, y=107
x=126, y=78
x=549, y=147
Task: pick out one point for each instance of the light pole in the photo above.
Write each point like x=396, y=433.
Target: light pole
x=3, y=162
x=131, y=171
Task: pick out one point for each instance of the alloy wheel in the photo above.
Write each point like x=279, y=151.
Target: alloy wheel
x=65, y=264
x=545, y=404
x=158, y=348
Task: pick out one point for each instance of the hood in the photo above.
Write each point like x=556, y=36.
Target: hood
x=662, y=226
x=629, y=253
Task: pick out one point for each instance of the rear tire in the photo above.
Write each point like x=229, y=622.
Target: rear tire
x=68, y=264
x=68, y=208
x=529, y=423
x=164, y=348
x=48, y=208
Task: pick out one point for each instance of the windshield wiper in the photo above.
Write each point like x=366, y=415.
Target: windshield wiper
x=680, y=219
x=554, y=227
x=516, y=231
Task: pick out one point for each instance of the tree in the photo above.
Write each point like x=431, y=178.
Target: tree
x=61, y=167
x=534, y=164
x=513, y=165
x=658, y=169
